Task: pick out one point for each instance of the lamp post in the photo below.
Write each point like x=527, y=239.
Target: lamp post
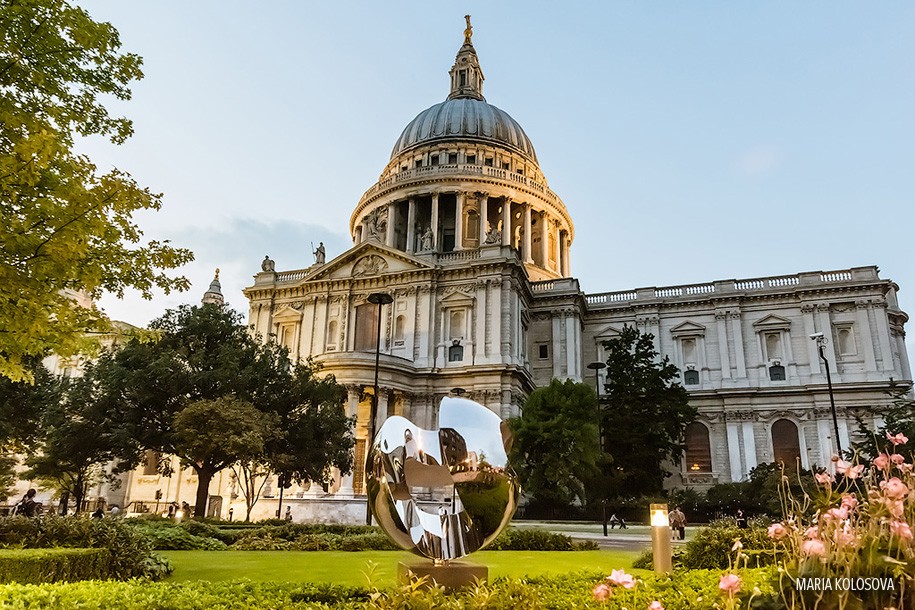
x=458, y=391
x=660, y=539
x=821, y=345
x=378, y=298
x=596, y=367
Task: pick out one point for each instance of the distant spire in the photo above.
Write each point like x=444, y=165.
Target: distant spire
x=214, y=294
x=466, y=74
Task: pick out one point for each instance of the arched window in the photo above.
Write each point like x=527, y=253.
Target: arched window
x=456, y=325
x=691, y=377
x=777, y=373
x=332, y=335
x=786, y=444
x=698, y=448
x=399, y=324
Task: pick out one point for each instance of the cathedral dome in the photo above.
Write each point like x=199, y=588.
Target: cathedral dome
x=464, y=118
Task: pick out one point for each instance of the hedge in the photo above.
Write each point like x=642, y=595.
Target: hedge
x=53, y=565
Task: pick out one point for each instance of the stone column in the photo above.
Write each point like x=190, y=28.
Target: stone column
x=352, y=410
x=411, y=225
x=459, y=221
x=382, y=413
x=484, y=216
x=358, y=238
x=435, y=222
x=734, y=460
x=883, y=334
x=544, y=240
x=392, y=220
x=564, y=253
x=526, y=239
x=507, y=222
x=721, y=318
x=737, y=332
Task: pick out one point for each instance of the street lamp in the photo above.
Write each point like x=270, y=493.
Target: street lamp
x=596, y=367
x=820, y=340
x=378, y=298
x=458, y=391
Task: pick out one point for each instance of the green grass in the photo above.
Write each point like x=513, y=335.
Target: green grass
x=345, y=568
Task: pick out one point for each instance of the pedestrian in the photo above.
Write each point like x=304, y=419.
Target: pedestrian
x=678, y=523
x=741, y=519
x=115, y=510
x=289, y=514
x=27, y=506
x=622, y=523
x=613, y=521
x=99, y=513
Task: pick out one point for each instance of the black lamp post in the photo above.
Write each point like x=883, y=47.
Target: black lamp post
x=821, y=345
x=379, y=298
x=596, y=367
x=458, y=391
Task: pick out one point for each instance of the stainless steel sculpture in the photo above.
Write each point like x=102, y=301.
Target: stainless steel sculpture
x=443, y=493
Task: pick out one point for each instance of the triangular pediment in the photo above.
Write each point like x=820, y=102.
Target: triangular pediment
x=368, y=259
x=687, y=328
x=773, y=322
x=287, y=313
x=609, y=332
x=456, y=298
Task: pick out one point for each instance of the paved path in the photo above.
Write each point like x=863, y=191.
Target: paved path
x=634, y=538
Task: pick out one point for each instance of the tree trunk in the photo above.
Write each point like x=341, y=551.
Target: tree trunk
x=203, y=492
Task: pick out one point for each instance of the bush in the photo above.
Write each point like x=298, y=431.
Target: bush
x=711, y=547
x=179, y=539
x=130, y=551
x=53, y=565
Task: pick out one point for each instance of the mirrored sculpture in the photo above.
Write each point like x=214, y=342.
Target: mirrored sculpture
x=444, y=493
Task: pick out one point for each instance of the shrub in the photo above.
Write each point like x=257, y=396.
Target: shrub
x=179, y=539
x=513, y=539
x=711, y=547
x=53, y=565
x=130, y=551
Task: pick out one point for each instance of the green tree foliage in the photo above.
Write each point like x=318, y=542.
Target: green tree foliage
x=67, y=228
x=555, y=447
x=21, y=404
x=643, y=412
x=79, y=443
x=206, y=353
x=214, y=434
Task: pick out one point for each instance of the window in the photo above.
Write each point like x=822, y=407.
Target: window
x=287, y=336
x=471, y=159
x=487, y=161
x=452, y=158
x=456, y=325
x=418, y=163
x=463, y=77
x=456, y=353
x=403, y=168
x=520, y=171
x=399, y=325
x=151, y=463
x=688, y=347
x=773, y=346
x=472, y=230
x=366, y=327
x=846, y=341
x=332, y=336
x=698, y=448
x=691, y=377
x=506, y=165
x=543, y=351
x=786, y=445
x=777, y=372
x=434, y=159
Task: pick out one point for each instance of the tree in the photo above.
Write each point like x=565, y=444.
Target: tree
x=67, y=230
x=644, y=412
x=898, y=418
x=214, y=434
x=207, y=353
x=555, y=447
x=78, y=441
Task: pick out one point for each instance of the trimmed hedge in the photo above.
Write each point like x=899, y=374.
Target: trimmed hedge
x=53, y=565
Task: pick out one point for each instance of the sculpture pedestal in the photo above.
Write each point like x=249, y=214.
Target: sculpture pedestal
x=453, y=575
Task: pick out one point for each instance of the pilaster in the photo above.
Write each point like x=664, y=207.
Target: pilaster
x=411, y=225
x=526, y=238
x=435, y=222
x=459, y=221
x=506, y=222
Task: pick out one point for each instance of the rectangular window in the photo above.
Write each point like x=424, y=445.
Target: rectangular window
x=463, y=74
x=418, y=163
x=456, y=353
x=366, y=327
x=471, y=159
x=452, y=158
x=487, y=161
x=543, y=351
x=506, y=165
x=434, y=159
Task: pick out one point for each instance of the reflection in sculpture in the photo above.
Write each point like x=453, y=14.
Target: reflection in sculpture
x=443, y=493
x=267, y=264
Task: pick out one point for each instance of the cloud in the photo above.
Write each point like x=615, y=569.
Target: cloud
x=759, y=161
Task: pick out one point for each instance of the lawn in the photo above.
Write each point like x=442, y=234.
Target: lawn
x=346, y=568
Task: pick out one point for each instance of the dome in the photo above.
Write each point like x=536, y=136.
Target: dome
x=464, y=119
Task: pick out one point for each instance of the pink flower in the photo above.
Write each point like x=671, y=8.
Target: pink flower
x=737, y=545
x=838, y=514
x=845, y=536
x=814, y=547
x=655, y=605
x=601, y=592
x=620, y=578
x=812, y=533
x=895, y=508
x=897, y=458
x=777, y=531
x=905, y=467
x=823, y=478
x=730, y=584
x=849, y=502
x=852, y=472
x=901, y=529
x=881, y=461
x=897, y=439
x=894, y=489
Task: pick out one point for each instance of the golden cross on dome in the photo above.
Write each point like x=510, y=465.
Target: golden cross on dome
x=468, y=33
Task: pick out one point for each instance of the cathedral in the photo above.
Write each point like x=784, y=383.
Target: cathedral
x=462, y=234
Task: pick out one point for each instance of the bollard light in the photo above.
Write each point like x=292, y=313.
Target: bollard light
x=660, y=539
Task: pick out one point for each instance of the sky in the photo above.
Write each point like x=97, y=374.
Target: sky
x=690, y=141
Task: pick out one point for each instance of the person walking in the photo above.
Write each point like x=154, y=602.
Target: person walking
x=678, y=523
x=27, y=506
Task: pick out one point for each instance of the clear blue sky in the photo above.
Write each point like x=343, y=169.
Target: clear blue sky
x=690, y=141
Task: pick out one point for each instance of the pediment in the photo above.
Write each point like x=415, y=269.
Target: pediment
x=288, y=313
x=456, y=298
x=772, y=322
x=685, y=329
x=609, y=332
x=368, y=259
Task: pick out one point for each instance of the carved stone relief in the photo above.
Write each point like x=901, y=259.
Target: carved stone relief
x=369, y=265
